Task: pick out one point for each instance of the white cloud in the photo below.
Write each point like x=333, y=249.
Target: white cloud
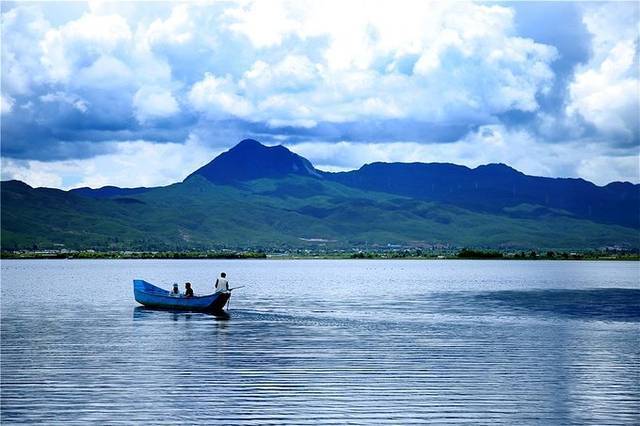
x=107, y=72
x=61, y=97
x=319, y=67
x=22, y=28
x=178, y=28
x=311, y=61
x=73, y=45
x=467, y=63
x=265, y=23
x=606, y=91
x=218, y=97
x=163, y=164
x=602, y=168
x=32, y=173
x=152, y=102
x=6, y=104
x=293, y=73
x=489, y=144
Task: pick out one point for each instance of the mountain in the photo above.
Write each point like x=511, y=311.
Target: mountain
x=498, y=188
x=254, y=196
x=494, y=188
x=251, y=160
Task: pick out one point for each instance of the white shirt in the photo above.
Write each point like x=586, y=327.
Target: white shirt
x=222, y=284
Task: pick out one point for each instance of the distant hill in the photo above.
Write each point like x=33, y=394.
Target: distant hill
x=254, y=196
x=498, y=188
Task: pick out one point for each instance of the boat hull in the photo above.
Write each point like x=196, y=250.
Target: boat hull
x=154, y=297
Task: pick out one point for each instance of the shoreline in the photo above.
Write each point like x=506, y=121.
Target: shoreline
x=591, y=256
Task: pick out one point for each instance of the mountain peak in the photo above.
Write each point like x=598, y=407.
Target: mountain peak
x=249, y=144
x=497, y=170
x=250, y=160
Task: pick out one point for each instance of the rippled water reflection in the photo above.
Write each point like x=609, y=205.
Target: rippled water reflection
x=324, y=342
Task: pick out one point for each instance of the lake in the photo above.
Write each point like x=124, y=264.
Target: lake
x=324, y=341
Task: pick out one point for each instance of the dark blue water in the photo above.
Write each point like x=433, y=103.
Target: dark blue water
x=355, y=342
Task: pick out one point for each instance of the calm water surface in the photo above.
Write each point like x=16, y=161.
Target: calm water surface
x=320, y=341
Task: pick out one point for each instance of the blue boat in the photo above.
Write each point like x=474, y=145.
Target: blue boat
x=149, y=295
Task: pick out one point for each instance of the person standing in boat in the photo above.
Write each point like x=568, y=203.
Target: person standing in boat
x=222, y=284
x=188, y=291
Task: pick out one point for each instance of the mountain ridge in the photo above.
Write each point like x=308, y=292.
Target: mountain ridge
x=491, y=187
x=258, y=195
x=272, y=214
x=87, y=190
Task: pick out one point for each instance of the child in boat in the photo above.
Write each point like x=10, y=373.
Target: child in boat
x=188, y=291
x=175, y=291
x=222, y=284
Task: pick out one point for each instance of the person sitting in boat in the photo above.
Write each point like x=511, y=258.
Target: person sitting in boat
x=175, y=291
x=222, y=284
x=188, y=291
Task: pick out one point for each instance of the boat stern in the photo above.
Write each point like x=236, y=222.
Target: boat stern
x=218, y=304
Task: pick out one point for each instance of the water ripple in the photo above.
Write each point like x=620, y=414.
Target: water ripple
x=429, y=352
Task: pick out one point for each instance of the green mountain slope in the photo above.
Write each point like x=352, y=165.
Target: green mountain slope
x=291, y=211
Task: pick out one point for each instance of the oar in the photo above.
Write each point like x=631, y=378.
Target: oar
x=241, y=286
x=229, y=299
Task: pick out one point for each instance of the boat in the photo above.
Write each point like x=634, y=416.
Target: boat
x=149, y=295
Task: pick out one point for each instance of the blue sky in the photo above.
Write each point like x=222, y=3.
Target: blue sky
x=133, y=94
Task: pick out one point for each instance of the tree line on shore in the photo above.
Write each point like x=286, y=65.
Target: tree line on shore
x=91, y=254
x=465, y=253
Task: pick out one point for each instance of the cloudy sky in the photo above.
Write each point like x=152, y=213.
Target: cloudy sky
x=134, y=94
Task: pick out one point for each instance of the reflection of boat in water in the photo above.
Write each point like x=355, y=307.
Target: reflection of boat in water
x=144, y=312
x=151, y=296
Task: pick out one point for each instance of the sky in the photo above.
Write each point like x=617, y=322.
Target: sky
x=144, y=93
